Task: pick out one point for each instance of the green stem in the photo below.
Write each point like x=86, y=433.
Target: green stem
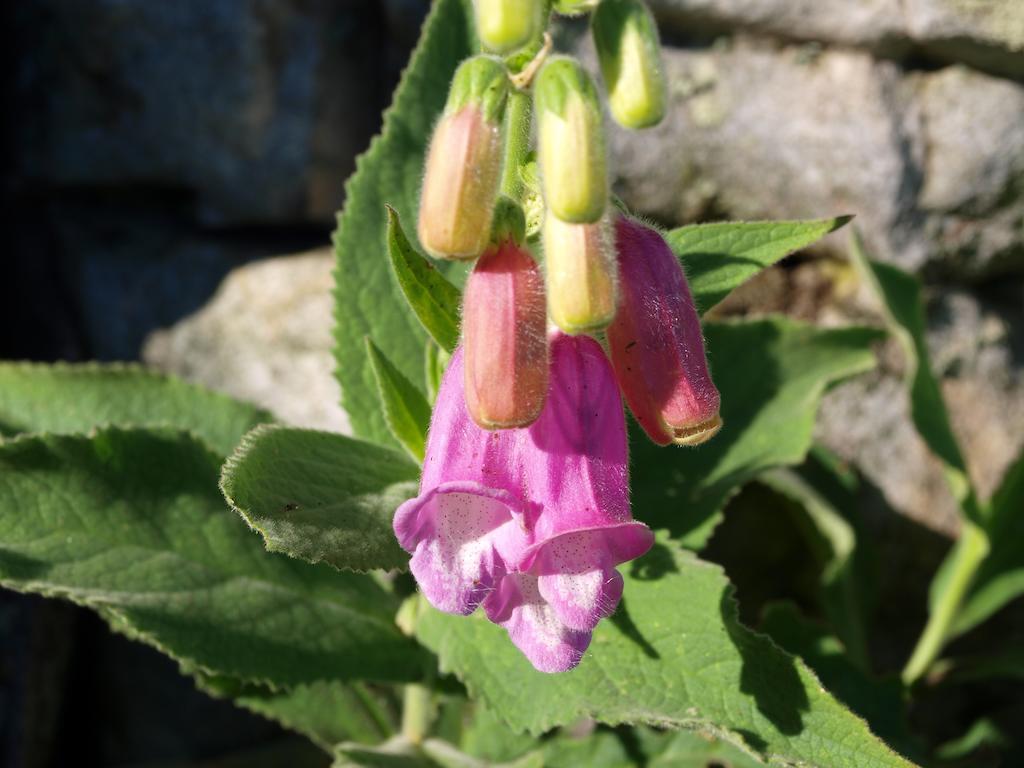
x=517, y=142
x=417, y=712
x=971, y=551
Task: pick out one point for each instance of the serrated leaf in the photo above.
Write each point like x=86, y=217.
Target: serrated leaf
x=368, y=301
x=1000, y=578
x=321, y=496
x=683, y=749
x=718, y=257
x=130, y=522
x=771, y=374
x=673, y=655
x=65, y=398
x=406, y=410
x=327, y=712
x=433, y=299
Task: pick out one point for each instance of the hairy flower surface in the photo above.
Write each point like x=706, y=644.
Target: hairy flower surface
x=504, y=338
x=532, y=522
x=656, y=342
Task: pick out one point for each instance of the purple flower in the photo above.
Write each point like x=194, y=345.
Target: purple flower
x=532, y=522
x=470, y=517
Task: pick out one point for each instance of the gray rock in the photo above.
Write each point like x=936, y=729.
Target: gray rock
x=756, y=132
x=255, y=107
x=975, y=347
x=932, y=164
x=265, y=337
x=987, y=34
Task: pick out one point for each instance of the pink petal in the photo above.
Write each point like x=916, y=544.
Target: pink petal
x=534, y=627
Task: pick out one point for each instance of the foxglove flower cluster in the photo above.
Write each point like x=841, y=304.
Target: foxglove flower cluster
x=529, y=523
x=524, y=499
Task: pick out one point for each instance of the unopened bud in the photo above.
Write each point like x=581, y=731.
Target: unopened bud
x=581, y=274
x=504, y=338
x=463, y=170
x=570, y=142
x=656, y=344
x=504, y=26
x=626, y=39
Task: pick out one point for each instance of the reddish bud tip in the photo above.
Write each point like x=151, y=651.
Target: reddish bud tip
x=656, y=343
x=460, y=185
x=505, y=340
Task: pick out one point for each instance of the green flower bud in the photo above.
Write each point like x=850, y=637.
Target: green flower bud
x=582, y=274
x=570, y=138
x=463, y=170
x=626, y=39
x=504, y=26
x=509, y=222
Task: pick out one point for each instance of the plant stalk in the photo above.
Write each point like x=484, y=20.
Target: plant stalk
x=517, y=143
x=972, y=549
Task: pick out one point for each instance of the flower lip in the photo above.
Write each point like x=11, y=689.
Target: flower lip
x=624, y=541
x=409, y=527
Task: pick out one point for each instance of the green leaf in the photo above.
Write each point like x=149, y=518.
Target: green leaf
x=1000, y=578
x=673, y=655
x=683, y=749
x=829, y=501
x=66, y=398
x=435, y=363
x=903, y=309
x=771, y=374
x=327, y=712
x=321, y=496
x=406, y=410
x=130, y=522
x=878, y=701
x=368, y=301
x=433, y=299
x=719, y=257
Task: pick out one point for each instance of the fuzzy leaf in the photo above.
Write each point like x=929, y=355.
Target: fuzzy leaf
x=719, y=257
x=326, y=711
x=406, y=410
x=321, y=496
x=368, y=301
x=130, y=522
x=65, y=398
x=768, y=418
x=673, y=655
x=433, y=299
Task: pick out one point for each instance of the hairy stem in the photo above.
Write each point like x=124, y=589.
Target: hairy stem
x=517, y=141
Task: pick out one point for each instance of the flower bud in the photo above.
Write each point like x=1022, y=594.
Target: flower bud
x=626, y=39
x=581, y=274
x=656, y=344
x=504, y=26
x=463, y=170
x=504, y=337
x=570, y=141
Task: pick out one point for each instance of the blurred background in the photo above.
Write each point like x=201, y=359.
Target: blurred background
x=171, y=171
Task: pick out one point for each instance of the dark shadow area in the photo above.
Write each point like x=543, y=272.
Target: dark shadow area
x=626, y=625
x=656, y=563
x=770, y=677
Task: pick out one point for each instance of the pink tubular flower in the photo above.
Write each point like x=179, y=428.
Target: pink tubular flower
x=656, y=343
x=469, y=519
x=533, y=521
x=575, y=461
